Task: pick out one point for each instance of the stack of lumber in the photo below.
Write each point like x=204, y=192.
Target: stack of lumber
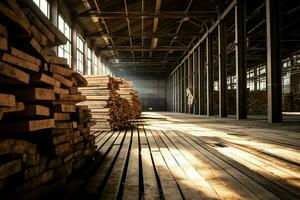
x=44, y=135
x=136, y=105
x=111, y=100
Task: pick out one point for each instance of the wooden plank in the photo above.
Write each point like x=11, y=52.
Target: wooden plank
x=63, y=80
x=60, y=38
x=19, y=62
x=5, y=11
x=3, y=43
x=93, y=185
x=65, y=125
x=61, y=70
x=43, y=78
x=19, y=107
x=61, y=91
x=34, y=182
x=7, y=100
x=36, y=22
x=26, y=126
x=59, y=61
x=12, y=75
x=76, y=98
x=3, y=31
x=40, y=50
x=38, y=36
x=17, y=9
x=169, y=187
x=151, y=190
x=111, y=188
x=200, y=186
x=24, y=56
x=65, y=108
x=33, y=94
x=34, y=110
x=10, y=168
x=11, y=146
x=131, y=186
x=238, y=169
x=62, y=116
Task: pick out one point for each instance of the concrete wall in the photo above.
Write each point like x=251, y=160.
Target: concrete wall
x=151, y=89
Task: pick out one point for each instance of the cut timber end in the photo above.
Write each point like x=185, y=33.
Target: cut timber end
x=64, y=71
x=26, y=126
x=20, y=63
x=22, y=55
x=12, y=75
x=3, y=43
x=7, y=100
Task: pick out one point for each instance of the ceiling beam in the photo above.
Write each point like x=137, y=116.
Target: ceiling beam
x=154, y=40
x=145, y=35
x=173, y=48
x=144, y=64
x=176, y=14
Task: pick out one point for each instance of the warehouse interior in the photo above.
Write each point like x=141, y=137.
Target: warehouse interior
x=150, y=99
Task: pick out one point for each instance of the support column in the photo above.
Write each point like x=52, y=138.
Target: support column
x=190, y=81
x=210, y=76
x=222, y=70
x=54, y=16
x=241, y=82
x=85, y=57
x=180, y=90
x=74, y=46
x=184, y=86
x=195, y=82
x=201, y=62
x=273, y=61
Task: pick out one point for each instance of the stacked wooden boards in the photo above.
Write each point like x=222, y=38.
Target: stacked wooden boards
x=111, y=106
x=44, y=135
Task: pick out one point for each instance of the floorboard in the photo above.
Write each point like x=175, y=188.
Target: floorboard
x=178, y=156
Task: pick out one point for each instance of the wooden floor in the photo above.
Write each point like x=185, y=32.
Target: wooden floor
x=175, y=156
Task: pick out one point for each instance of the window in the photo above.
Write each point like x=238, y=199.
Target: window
x=286, y=83
x=89, y=61
x=65, y=50
x=229, y=82
x=262, y=70
x=44, y=6
x=233, y=82
x=95, y=64
x=216, y=86
x=296, y=59
x=263, y=83
x=286, y=63
x=79, y=54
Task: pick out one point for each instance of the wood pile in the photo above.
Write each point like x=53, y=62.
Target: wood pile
x=44, y=135
x=112, y=101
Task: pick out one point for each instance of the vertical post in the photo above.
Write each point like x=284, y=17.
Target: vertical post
x=195, y=82
x=54, y=16
x=184, y=85
x=240, y=51
x=189, y=82
x=210, y=76
x=177, y=95
x=273, y=61
x=85, y=57
x=222, y=70
x=201, y=61
x=74, y=46
x=180, y=90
